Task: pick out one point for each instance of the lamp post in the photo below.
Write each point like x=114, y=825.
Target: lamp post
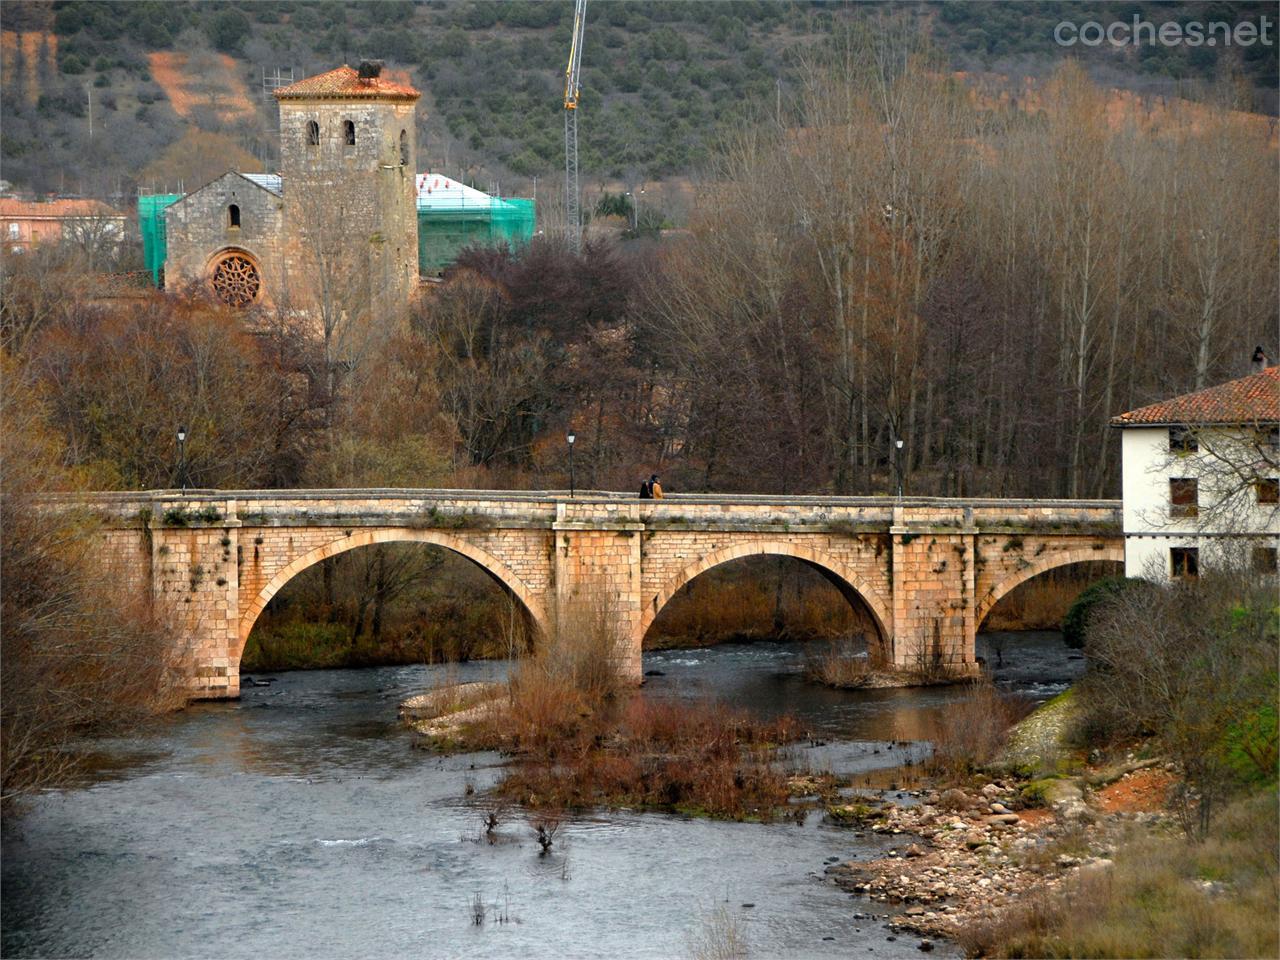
x=572, y=486
x=182, y=458
x=897, y=464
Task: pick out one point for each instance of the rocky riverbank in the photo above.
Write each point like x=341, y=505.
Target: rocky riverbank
x=967, y=854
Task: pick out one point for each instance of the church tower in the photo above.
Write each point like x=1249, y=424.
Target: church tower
x=348, y=160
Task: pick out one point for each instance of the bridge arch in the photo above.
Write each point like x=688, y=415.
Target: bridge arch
x=487, y=562
x=1111, y=552
x=844, y=579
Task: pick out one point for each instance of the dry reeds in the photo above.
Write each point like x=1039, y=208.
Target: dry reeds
x=843, y=662
x=718, y=937
x=701, y=759
x=974, y=729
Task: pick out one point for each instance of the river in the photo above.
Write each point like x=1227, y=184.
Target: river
x=299, y=822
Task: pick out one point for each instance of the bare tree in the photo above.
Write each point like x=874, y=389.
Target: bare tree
x=1190, y=661
x=79, y=655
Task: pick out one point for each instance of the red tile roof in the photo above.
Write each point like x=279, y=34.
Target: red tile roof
x=14, y=209
x=344, y=83
x=1251, y=399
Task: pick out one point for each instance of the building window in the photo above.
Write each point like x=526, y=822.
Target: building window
x=1185, y=561
x=1268, y=490
x=1266, y=560
x=404, y=148
x=1182, y=440
x=1272, y=439
x=233, y=216
x=313, y=134
x=1184, y=497
x=13, y=231
x=235, y=279
x=349, y=132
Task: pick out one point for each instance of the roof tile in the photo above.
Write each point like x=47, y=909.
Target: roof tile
x=11, y=207
x=1251, y=399
x=344, y=83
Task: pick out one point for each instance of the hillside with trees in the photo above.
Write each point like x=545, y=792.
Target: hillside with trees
x=661, y=81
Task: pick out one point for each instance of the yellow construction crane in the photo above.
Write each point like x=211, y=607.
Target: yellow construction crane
x=573, y=201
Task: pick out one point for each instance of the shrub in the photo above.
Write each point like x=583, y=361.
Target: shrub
x=1194, y=663
x=698, y=759
x=1076, y=622
x=1215, y=899
x=1252, y=745
x=78, y=655
x=974, y=729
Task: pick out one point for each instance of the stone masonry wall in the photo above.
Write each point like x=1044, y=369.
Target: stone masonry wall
x=929, y=571
x=198, y=228
x=358, y=200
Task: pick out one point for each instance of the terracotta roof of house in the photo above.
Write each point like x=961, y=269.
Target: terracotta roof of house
x=14, y=209
x=1251, y=399
x=345, y=83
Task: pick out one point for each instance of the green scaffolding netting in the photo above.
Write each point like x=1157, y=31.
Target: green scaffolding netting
x=151, y=224
x=443, y=231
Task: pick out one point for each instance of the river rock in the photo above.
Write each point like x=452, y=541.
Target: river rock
x=999, y=808
x=991, y=790
x=925, y=946
x=954, y=799
x=914, y=851
x=1009, y=818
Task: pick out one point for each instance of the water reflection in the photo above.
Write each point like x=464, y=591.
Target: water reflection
x=768, y=678
x=299, y=822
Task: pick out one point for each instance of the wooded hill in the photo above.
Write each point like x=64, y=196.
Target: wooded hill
x=661, y=80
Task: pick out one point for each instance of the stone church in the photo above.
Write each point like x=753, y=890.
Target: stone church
x=336, y=231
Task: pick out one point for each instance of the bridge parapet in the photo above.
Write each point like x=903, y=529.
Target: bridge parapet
x=498, y=507
x=928, y=569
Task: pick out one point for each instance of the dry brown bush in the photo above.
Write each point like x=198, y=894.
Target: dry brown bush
x=844, y=662
x=702, y=759
x=79, y=655
x=974, y=729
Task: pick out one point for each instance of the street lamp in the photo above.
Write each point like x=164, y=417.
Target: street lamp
x=182, y=458
x=897, y=464
x=572, y=487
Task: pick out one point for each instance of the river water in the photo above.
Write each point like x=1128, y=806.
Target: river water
x=299, y=822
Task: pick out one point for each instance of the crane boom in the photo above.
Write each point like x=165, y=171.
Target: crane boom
x=572, y=203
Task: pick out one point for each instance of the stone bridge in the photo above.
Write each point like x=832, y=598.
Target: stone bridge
x=927, y=570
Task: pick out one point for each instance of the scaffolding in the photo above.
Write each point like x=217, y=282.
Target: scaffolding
x=155, y=246
x=452, y=216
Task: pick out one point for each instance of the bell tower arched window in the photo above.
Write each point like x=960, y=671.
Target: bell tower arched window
x=349, y=132
x=313, y=134
x=404, y=148
x=233, y=216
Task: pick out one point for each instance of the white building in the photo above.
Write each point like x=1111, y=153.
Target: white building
x=1201, y=478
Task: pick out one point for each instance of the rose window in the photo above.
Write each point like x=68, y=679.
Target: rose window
x=236, y=281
